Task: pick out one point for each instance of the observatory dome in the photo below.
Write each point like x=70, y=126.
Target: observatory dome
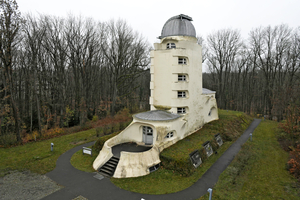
x=179, y=25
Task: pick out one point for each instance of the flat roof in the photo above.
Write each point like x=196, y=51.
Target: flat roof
x=207, y=91
x=157, y=115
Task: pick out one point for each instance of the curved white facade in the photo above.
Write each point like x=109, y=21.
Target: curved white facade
x=179, y=107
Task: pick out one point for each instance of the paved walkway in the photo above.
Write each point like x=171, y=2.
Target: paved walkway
x=78, y=183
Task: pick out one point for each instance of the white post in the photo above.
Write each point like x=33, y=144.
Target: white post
x=210, y=193
x=52, y=146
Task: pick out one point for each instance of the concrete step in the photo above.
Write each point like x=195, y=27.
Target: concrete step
x=108, y=169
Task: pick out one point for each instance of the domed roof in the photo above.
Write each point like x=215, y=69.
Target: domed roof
x=179, y=25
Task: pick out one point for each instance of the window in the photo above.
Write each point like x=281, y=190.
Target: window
x=147, y=130
x=147, y=135
x=181, y=77
x=169, y=135
x=181, y=110
x=171, y=46
x=181, y=94
x=182, y=61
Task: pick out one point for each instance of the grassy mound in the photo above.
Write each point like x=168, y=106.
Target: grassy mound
x=177, y=172
x=230, y=126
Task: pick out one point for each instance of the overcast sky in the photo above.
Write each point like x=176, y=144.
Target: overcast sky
x=148, y=17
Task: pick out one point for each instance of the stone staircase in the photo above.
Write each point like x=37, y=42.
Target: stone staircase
x=108, y=169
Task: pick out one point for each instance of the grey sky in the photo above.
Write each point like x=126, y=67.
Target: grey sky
x=148, y=17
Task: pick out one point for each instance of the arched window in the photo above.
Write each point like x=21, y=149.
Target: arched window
x=171, y=46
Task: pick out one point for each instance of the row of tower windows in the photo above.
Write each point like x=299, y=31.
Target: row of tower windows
x=181, y=77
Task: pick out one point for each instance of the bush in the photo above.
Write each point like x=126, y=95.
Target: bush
x=293, y=164
x=115, y=127
x=95, y=118
x=123, y=114
x=100, y=142
x=99, y=131
x=8, y=139
x=30, y=137
x=107, y=129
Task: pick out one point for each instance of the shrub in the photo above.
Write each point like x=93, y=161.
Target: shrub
x=123, y=114
x=115, y=127
x=107, y=129
x=95, y=118
x=8, y=139
x=100, y=142
x=293, y=164
x=99, y=131
x=30, y=137
x=53, y=132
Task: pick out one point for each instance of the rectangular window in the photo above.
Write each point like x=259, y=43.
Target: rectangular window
x=181, y=110
x=181, y=94
x=182, y=61
x=181, y=77
x=171, y=46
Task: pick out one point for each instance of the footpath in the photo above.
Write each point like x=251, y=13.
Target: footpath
x=78, y=184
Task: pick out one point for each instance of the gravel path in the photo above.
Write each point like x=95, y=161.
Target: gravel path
x=26, y=185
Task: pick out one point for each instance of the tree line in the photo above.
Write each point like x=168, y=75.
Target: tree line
x=63, y=71
x=259, y=75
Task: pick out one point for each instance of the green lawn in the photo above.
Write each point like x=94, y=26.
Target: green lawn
x=37, y=156
x=84, y=162
x=258, y=171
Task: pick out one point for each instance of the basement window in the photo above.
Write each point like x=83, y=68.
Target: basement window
x=169, y=135
x=181, y=111
x=182, y=61
x=171, y=46
x=181, y=77
x=181, y=94
x=154, y=168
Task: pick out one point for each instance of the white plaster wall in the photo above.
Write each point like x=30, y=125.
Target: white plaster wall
x=164, y=86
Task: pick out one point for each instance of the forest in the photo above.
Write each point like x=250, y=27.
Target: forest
x=62, y=72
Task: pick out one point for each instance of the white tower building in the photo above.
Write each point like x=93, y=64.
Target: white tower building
x=179, y=104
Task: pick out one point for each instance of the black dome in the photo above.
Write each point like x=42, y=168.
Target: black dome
x=179, y=25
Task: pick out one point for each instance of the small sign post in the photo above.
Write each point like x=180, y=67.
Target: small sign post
x=86, y=150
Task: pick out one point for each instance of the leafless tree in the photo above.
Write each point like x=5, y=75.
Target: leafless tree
x=223, y=48
x=10, y=22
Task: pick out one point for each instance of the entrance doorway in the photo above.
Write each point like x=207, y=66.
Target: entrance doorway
x=147, y=135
